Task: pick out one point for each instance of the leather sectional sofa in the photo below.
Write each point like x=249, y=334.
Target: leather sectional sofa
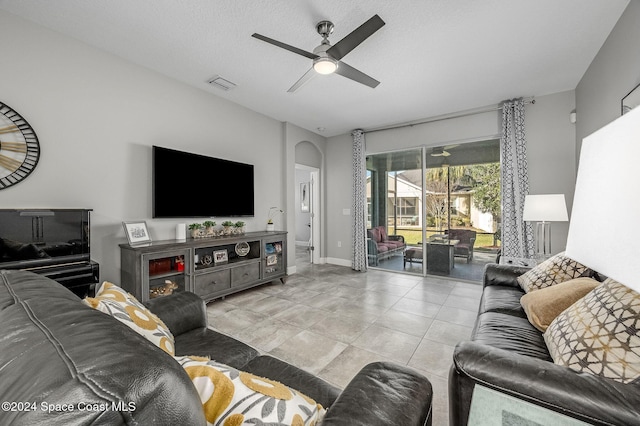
x=64, y=363
x=508, y=354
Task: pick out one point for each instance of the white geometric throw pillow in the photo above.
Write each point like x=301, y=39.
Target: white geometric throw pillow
x=599, y=333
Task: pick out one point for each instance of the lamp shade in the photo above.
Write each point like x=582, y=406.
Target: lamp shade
x=545, y=208
x=604, y=233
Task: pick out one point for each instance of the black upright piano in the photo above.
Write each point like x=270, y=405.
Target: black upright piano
x=52, y=242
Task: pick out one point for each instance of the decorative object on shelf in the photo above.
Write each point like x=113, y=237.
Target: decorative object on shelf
x=179, y=262
x=197, y=231
x=181, y=231
x=207, y=260
x=242, y=248
x=19, y=147
x=238, y=228
x=220, y=256
x=163, y=290
x=228, y=227
x=137, y=232
x=631, y=101
x=544, y=209
x=304, y=197
x=272, y=259
x=209, y=228
x=272, y=212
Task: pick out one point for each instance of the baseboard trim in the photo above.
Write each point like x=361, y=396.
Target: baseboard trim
x=338, y=261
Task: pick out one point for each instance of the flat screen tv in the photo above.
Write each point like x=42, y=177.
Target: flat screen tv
x=193, y=185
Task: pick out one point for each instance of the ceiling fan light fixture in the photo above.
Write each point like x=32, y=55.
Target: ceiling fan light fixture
x=325, y=65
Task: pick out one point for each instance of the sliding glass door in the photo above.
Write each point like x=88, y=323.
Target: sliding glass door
x=435, y=210
x=395, y=206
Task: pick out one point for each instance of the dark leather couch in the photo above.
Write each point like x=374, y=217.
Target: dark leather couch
x=63, y=363
x=508, y=354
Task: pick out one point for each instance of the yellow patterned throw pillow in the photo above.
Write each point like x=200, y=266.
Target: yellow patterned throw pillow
x=114, y=301
x=233, y=398
x=599, y=333
x=555, y=270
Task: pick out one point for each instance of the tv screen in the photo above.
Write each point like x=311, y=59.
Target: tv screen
x=193, y=185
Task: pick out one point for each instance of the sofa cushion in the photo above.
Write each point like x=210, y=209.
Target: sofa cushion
x=233, y=397
x=501, y=299
x=555, y=270
x=599, y=333
x=514, y=334
x=544, y=305
x=374, y=234
x=112, y=300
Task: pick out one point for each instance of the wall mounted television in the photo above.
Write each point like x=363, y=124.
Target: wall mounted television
x=192, y=185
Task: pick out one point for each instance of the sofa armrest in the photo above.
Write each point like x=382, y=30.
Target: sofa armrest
x=584, y=396
x=505, y=275
x=181, y=312
x=372, y=247
x=383, y=394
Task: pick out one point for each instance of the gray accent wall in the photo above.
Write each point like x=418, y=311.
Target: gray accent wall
x=613, y=73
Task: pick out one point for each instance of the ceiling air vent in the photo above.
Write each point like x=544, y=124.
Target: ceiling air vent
x=221, y=83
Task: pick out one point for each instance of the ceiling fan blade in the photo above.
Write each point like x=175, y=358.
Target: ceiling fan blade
x=357, y=36
x=355, y=75
x=306, y=77
x=285, y=46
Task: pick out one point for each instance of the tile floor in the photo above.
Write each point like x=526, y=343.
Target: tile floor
x=332, y=321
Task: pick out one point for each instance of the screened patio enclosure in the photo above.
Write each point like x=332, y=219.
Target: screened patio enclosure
x=432, y=210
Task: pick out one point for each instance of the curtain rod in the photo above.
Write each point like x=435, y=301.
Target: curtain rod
x=467, y=113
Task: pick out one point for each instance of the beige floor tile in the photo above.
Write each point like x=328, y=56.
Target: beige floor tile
x=416, y=325
x=332, y=321
x=309, y=351
x=392, y=344
x=340, y=327
x=345, y=366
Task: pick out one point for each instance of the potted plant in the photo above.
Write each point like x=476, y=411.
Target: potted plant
x=196, y=230
x=239, y=227
x=208, y=226
x=228, y=227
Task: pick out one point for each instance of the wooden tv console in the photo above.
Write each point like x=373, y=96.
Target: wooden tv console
x=210, y=267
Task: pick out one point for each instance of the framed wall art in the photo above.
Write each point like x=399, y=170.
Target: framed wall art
x=137, y=232
x=631, y=101
x=304, y=197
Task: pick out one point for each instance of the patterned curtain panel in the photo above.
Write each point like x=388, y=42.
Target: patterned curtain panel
x=359, y=223
x=517, y=236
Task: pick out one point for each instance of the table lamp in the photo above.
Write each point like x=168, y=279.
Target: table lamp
x=544, y=209
x=604, y=230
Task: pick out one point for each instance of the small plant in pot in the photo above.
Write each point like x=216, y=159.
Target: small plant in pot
x=228, y=227
x=239, y=227
x=196, y=230
x=209, y=228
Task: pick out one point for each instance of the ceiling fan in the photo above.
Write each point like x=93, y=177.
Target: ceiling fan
x=327, y=58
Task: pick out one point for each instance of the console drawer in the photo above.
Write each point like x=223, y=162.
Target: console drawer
x=212, y=282
x=245, y=274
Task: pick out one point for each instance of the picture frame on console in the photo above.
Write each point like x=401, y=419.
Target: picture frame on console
x=137, y=232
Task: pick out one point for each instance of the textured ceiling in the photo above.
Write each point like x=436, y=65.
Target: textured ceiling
x=432, y=57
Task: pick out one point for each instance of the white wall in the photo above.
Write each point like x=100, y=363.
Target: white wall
x=550, y=150
x=96, y=117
